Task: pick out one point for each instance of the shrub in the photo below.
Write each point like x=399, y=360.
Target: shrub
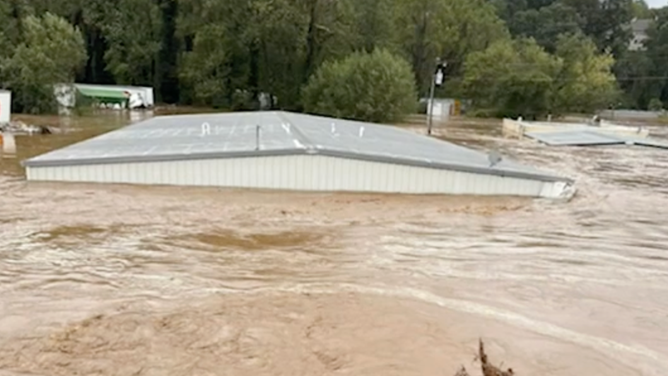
x=655, y=105
x=377, y=87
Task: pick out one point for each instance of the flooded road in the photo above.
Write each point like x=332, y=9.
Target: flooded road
x=121, y=280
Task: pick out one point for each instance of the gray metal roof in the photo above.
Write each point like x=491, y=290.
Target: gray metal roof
x=233, y=135
x=649, y=142
x=574, y=137
x=578, y=137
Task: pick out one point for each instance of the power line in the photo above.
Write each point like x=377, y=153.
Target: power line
x=555, y=80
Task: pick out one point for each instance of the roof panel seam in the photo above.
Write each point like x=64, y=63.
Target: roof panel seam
x=302, y=138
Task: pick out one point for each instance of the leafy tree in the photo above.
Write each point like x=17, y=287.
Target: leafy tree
x=10, y=24
x=375, y=86
x=228, y=53
x=205, y=67
x=655, y=104
x=447, y=29
x=586, y=81
x=634, y=72
x=132, y=29
x=545, y=24
x=512, y=78
x=51, y=52
x=374, y=25
x=641, y=9
x=606, y=22
x=271, y=46
x=280, y=48
x=657, y=51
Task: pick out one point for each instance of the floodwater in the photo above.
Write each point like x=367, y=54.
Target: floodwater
x=121, y=280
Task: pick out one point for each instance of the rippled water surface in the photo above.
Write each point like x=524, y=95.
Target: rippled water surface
x=121, y=280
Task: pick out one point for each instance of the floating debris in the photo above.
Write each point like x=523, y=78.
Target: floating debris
x=487, y=368
x=21, y=128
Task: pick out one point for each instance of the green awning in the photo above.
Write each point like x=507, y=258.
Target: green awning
x=105, y=96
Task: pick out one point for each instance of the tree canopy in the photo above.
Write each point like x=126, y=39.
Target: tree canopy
x=51, y=52
x=375, y=86
x=550, y=55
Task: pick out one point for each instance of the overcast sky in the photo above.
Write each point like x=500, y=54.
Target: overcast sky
x=657, y=3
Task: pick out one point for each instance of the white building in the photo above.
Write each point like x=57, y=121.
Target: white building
x=111, y=96
x=639, y=29
x=287, y=151
x=5, y=106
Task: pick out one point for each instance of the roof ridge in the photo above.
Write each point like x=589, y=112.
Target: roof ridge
x=299, y=135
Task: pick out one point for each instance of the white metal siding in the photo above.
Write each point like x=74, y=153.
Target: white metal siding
x=304, y=173
x=5, y=106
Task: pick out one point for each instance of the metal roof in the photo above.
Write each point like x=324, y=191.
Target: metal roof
x=102, y=93
x=231, y=135
x=591, y=138
x=574, y=138
x=653, y=143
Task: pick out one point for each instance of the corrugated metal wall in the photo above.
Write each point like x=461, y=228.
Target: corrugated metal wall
x=307, y=173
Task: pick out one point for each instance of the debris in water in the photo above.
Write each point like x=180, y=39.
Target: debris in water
x=487, y=368
x=462, y=372
x=21, y=128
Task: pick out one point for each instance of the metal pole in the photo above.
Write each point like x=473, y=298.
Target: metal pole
x=257, y=138
x=436, y=76
x=430, y=107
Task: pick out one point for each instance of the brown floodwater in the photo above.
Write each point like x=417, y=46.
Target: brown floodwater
x=123, y=280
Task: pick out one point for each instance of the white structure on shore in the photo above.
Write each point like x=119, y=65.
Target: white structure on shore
x=106, y=96
x=5, y=106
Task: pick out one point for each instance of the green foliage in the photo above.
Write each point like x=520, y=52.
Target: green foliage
x=546, y=24
x=606, y=22
x=657, y=51
x=655, y=105
x=586, y=82
x=375, y=86
x=374, y=25
x=270, y=46
x=634, y=68
x=521, y=79
x=205, y=68
x=51, y=52
x=132, y=29
x=227, y=53
x=641, y=9
x=512, y=78
x=449, y=29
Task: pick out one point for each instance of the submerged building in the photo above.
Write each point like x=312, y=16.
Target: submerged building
x=105, y=96
x=288, y=151
x=581, y=134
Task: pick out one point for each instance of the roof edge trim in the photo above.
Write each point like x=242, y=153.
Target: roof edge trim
x=296, y=152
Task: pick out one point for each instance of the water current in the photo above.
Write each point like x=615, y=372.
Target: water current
x=123, y=280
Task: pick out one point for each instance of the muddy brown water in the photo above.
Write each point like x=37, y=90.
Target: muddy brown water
x=122, y=280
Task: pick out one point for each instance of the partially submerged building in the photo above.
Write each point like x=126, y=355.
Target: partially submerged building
x=598, y=133
x=105, y=96
x=520, y=128
x=288, y=151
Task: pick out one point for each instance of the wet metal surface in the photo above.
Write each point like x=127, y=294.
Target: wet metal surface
x=120, y=280
x=252, y=134
x=592, y=138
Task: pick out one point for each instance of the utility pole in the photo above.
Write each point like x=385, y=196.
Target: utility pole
x=436, y=81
